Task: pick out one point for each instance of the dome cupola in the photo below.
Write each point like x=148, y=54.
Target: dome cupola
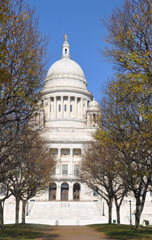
x=66, y=49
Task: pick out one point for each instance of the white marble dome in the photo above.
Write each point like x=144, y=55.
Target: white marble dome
x=65, y=66
x=65, y=72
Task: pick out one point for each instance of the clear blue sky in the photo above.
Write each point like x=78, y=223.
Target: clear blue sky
x=81, y=21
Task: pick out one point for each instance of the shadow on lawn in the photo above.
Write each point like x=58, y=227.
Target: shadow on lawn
x=124, y=232
x=21, y=232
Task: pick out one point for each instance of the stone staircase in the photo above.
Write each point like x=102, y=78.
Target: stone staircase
x=72, y=213
x=65, y=213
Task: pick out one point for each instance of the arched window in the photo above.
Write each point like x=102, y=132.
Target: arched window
x=76, y=192
x=52, y=192
x=64, y=191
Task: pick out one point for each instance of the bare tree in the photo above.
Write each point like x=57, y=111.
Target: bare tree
x=99, y=172
x=33, y=173
x=6, y=195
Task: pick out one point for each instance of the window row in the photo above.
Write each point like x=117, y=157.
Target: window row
x=65, y=169
x=65, y=108
x=76, y=152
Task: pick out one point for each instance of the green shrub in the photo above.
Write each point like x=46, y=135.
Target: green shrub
x=146, y=222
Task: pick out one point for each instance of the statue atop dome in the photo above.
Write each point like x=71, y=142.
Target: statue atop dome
x=66, y=37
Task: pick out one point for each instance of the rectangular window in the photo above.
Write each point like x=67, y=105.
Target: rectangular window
x=2, y=190
x=59, y=108
x=65, y=169
x=65, y=51
x=70, y=108
x=54, y=171
x=65, y=108
x=76, y=169
x=95, y=194
x=77, y=152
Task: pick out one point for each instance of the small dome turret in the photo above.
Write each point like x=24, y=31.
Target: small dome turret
x=93, y=106
x=66, y=49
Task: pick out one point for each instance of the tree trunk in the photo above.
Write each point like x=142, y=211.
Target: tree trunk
x=110, y=210
x=139, y=208
x=17, y=210
x=118, y=213
x=1, y=215
x=24, y=202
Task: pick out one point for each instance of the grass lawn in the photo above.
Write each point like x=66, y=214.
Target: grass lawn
x=21, y=232
x=124, y=232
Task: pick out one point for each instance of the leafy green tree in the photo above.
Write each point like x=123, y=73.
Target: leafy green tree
x=130, y=135
x=129, y=48
x=129, y=98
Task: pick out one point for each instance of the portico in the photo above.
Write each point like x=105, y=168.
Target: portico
x=64, y=191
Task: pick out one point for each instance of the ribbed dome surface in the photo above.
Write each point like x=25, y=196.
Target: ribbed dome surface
x=65, y=66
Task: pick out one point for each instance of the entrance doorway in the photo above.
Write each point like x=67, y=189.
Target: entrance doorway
x=52, y=192
x=64, y=191
x=76, y=192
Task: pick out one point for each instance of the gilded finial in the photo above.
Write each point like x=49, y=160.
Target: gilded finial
x=65, y=37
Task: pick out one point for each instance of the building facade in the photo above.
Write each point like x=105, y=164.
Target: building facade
x=69, y=115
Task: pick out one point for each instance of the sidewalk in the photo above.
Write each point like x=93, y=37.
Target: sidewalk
x=71, y=233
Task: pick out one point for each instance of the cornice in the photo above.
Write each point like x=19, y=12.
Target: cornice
x=66, y=89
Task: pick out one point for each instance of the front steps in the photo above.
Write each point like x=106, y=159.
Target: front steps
x=65, y=213
x=73, y=213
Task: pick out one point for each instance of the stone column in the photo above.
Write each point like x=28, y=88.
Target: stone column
x=70, y=191
x=81, y=108
x=92, y=118
x=59, y=160
x=76, y=107
x=49, y=102
x=58, y=191
x=46, y=108
x=68, y=107
x=71, y=162
x=71, y=174
x=55, y=107
x=62, y=107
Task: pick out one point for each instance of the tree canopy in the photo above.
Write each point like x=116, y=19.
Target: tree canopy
x=127, y=105
x=22, y=67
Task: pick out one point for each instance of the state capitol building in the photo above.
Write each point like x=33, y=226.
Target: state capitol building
x=70, y=114
x=69, y=118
